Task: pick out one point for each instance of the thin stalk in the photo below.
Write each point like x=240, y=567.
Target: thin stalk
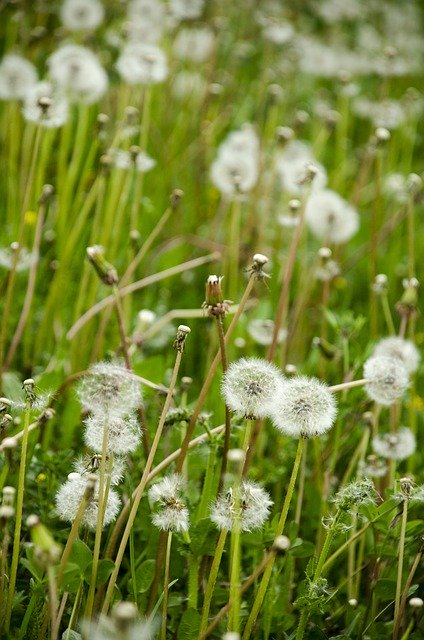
x=166, y=586
x=193, y=581
x=53, y=601
x=141, y=486
x=415, y=565
x=122, y=333
x=18, y=518
x=411, y=236
x=212, y=579
x=224, y=360
x=348, y=385
x=387, y=314
x=401, y=552
x=375, y=226
x=280, y=528
x=234, y=610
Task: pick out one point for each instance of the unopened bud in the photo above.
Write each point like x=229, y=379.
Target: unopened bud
x=281, y=544
x=46, y=194
x=106, y=271
x=175, y=198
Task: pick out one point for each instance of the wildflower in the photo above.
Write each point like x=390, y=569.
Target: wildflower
x=303, y=407
x=250, y=385
x=248, y=505
x=292, y=167
x=327, y=268
x=17, y=77
x=262, y=331
x=90, y=464
x=142, y=64
x=135, y=158
x=403, y=350
x=109, y=389
x=195, y=45
x=17, y=257
x=45, y=106
x=354, y=494
x=173, y=515
x=330, y=217
x=70, y=495
x=188, y=84
x=395, y=446
x=123, y=432
x=387, y=379
x=77, y=71
x=81, y=15
x=373, y=467
x=146, y=20
x=185, y=9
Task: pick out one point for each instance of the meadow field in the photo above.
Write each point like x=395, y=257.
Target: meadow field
x=211, y=239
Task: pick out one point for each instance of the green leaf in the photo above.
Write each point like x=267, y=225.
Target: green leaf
x=385, y=589
x=189, y=625
x=80, y=555
x=203, y=538
x=105, y=568
x=71, y=578
x=303, y=549
x=144, y=575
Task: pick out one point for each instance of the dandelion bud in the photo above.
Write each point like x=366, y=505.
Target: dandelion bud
x=182, y=333
x=284, y=134
x=387, y=379
x=186, y=383
x=382, y=135
x=290, y=369
x=294, y=205
x=260, y=259
x=301, y=118
x=49, y=551
x=247, y=505
x=47, y=193
x=5, y=404
x=6, y=513
x=124, y=615
x=175, y=199
x=5, y=421
x=353, y=602
x=281, y=544
x=28, y=387
x=303, y=407
x=416, y=603
x=407, y=305
x=380, y=284
x=106, y=271
x=406, y=485
x=250, y=385
x=213, y=291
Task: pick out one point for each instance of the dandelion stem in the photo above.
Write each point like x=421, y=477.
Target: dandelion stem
x=166, y=586
x=280, y=528
x=348, y=385
x=212, y=579
x=400, y=567
x=122, y=333
x=18, y=521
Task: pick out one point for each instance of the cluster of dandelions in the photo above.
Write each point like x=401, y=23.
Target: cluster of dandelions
x=298, y=406
x=110, y=395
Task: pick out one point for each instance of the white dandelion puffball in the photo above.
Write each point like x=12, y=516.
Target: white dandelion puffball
x=397, y=347
x=330, y=217
x=194, y=45
x=44, y=106
x=146, y=21
x=78, y=72
x=236, y=167
x=291, y=166
x=248, y=504
x=142, y=64
x=387, y=379
x=123, y=432
x=304, y=407
x=185, y=9
x=109, y=389
x=262, y=331
x=173, y=514
x=250, y=385
x=395, y=446
x=81, y=15
x=17, y=77
x=68, y=500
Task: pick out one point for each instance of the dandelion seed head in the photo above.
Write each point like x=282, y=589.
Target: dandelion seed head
x=403, y=350
x=68, y=500
x=51, y=115
x=249, y=505
x=78, y=72
x=249, y=386
x=81, y=15
x=17, y=77
x=173, y=514
x=185, y=9
x=292, y=167
x=330, y=217
x=262, y=331
x=123, y=432
x=304, y=407
x=195, y=44
x=109, y=388
x=167, y=488
x=395, y=446
x=142, y=64
x=355, y=493
x=387, y=379
x=88, y=464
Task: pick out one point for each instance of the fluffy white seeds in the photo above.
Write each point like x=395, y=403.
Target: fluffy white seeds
x=123, y=433
x=404, y=350
x=195, y=45
x=292, y=164
x=387, y=379
x=78, y=72
x=395, y=446
x=261, y=331
x=109, y=389
x=17, y=76
x=236, y=167
x=248, y=506
x=142, y=64
x=330, y=217
x=304, y=407
x=45, y=106
x=250, y=386
x=68, y=500
x=173, y=513
x=81, y=15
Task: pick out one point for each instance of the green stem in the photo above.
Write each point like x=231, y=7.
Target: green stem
x=400, y=565
x=212, y=579
x=166, y=586
x=280, y=528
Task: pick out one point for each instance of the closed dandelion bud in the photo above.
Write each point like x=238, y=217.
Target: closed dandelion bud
x=407, y=305
x=249, y=387
x=70, y=495
x=303, y=407
x=5, y=404
x=46, y=195
x=387, y=379
x=416, y=603
x=259, y=261
x=173, y=513
x=281, y=544
x=175, y=199
x=43, y=540
x=382, y=135
x=379, y=285
x=182, y=333
x=247, y=506
x=106, y=271
x=353, y=602
x=5, y=421
x=213, y=291
x=406, y=485
x=284, y=134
